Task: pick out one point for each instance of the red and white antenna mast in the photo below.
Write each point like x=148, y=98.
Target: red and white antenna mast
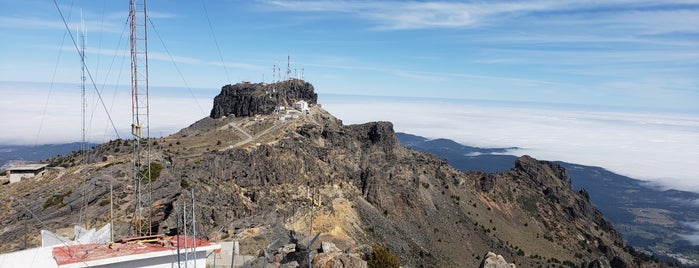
x=140, y=115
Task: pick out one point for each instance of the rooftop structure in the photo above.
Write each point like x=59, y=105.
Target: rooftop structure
x=17, y=173
x=145, y=251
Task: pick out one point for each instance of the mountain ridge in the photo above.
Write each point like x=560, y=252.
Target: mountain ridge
x=263, y=179
x=650, y=219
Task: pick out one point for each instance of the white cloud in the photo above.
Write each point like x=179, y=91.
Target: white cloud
x=692, y=237
x=392, y=15
x=35, y=23
x=402, y=15
x=661, y=148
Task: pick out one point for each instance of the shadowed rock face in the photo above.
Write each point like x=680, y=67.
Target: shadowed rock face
x=247, y=99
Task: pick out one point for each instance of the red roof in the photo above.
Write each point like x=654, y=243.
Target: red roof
x=124, y=247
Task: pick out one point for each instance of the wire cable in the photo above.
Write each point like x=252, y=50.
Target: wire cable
x=89, y=74
x=42, y=223
x=176, y=67
x=211, y=28
x=53, y=79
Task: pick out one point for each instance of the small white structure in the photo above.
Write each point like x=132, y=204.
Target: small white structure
x=302, y=106
x=17, y=173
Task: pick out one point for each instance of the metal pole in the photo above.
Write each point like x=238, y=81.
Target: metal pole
x=177, y=225
x=194, y=231
x=309, y=248
x=184, y=222
x=111, y=211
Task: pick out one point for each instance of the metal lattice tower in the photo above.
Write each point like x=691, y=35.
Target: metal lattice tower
x=140, y=115
x=83, y=144
x=83, y=78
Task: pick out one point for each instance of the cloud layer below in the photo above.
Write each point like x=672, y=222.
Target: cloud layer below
x=33, y=116
x=660, y=148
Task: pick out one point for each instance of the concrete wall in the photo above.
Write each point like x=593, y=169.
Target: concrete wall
x=168, y=261
x=223, y=260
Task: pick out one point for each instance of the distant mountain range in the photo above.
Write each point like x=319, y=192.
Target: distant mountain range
x=652, y=220
x=32, y=153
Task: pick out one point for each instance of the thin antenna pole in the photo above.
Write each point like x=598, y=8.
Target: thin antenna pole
x=83, y=78
x=184, y=222
x=288, y=66
x=194, y=231
x=177, y=226
x=111, y=211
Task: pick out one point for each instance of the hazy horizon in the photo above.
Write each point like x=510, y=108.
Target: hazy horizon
x=659, y=147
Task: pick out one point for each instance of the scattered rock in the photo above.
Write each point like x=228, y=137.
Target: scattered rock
x=329, y=247
x=338, y=260
x=288, y=248
x=486, y=182
x=493, y=260
x=292, y=264
x=601, y=262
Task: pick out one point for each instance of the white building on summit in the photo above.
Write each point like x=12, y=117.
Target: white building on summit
x=301, y=105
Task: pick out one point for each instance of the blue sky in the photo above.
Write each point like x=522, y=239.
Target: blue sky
x=642, y=54
x=607, y=83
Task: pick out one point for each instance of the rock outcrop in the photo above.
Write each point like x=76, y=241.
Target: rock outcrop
x=247, y=99
x=492, y=260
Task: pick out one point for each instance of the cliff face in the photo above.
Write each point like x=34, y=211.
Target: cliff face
x=247, y=99
x=270, y=180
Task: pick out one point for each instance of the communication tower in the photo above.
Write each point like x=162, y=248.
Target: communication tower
x=83, y=78
x=140, y=115
x=288, y=66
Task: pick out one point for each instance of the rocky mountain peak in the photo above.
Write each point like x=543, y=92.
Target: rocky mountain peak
x=248, y=99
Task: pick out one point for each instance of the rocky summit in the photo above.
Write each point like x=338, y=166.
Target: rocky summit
x=248, y=99
x=273, y=181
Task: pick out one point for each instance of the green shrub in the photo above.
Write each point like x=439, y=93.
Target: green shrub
x=382, y=258
x=56, y=200
x=155, y=169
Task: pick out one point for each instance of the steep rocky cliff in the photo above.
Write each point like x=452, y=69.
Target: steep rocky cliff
x=247, y=99
x=269, y=180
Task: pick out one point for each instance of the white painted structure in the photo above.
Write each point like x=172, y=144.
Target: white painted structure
x=302, y=106
x=18, y=173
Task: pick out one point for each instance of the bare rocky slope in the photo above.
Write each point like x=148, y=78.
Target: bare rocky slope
x=266, y=180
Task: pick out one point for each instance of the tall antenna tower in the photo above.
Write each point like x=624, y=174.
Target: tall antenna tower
x=83, y=145
x=83, y=78
x=288, y=66
x=140, y=115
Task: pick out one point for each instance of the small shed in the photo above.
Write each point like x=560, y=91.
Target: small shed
x=17, y=173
